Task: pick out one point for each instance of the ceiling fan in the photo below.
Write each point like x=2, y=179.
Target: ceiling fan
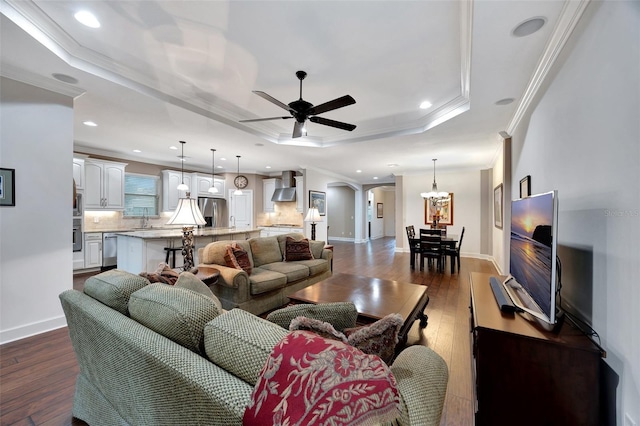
x=302, y=110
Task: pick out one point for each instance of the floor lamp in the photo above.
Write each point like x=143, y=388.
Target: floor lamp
x=188, y=215
x=313, y=216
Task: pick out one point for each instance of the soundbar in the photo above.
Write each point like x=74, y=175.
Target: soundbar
x=503, y=299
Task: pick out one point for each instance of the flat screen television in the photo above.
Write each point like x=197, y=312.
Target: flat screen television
x=532, y=281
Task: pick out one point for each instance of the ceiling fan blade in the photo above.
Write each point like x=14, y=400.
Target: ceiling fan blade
x=331, y=105
x=264, y=119
x=332, y=123
x=273, y=100
x=297, y=129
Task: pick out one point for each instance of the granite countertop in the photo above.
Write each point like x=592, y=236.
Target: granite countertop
x=177, y=232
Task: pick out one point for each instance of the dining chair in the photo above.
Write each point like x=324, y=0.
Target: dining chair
x=429, y=231
x=414, y=245
x=431, y=248
x=454, y=252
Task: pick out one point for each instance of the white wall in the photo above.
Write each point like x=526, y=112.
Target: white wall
x=36, y=139
x=466, y=189
x=377, y=224
x=583, y=139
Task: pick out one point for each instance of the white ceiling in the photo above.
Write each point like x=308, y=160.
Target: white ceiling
x=157, y=72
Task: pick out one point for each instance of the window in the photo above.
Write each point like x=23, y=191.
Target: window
x=140, y=195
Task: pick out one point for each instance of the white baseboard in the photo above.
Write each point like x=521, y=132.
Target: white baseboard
x=349, y=240
x=32, y=329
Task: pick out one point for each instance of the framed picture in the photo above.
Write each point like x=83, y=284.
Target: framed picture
x=7, y=187
x=497, y=206
x=379, y=210
x=443, y=208
x=318, y=199
x=525, y=186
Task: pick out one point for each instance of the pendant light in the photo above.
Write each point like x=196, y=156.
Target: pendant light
x=213, y=189
x=238, y=191
x=182, y=186
x=434, y=195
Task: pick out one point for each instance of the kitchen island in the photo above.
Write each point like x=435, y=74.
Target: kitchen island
x=143, y=250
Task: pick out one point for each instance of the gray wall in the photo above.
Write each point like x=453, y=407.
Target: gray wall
x=583, y=139
x=342, y=206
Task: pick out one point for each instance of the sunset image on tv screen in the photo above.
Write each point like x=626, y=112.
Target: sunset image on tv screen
x=531, y=247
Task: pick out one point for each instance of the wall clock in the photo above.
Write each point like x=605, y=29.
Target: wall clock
x=241, y=182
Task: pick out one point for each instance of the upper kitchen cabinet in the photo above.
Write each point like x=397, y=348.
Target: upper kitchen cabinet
x=103, y=185
x=170, y=193
x=203, y=183
x=78, y=173
x=299, y=193
x=268, y=188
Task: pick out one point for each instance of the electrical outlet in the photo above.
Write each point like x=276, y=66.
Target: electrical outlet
x=96, y=219
x=628, y=421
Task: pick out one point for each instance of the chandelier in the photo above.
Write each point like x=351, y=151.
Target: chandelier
x=434, y=195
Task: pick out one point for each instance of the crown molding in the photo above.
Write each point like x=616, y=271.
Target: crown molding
x=569, y=18
x=51, y=84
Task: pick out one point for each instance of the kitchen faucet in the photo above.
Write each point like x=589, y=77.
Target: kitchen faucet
x=145, y=217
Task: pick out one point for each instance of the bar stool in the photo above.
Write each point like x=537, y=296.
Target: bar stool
x=171, y=251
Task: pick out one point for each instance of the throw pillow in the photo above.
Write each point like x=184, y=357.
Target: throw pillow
x=311, y=380
x=318, y=327
x=297, y=250
x=379, y=338
x=191, y=282
x=236, y=257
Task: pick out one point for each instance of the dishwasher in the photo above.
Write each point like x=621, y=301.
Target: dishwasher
x=109, y=250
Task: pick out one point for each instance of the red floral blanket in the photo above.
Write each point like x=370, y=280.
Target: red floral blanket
x=309, y=380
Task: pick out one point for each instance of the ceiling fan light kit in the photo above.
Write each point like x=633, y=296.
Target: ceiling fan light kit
x=302, y=111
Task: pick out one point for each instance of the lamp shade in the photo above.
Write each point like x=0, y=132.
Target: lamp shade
x=313, y=215
x=187, y=214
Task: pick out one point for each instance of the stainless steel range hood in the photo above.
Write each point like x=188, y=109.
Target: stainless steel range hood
x=288, y=190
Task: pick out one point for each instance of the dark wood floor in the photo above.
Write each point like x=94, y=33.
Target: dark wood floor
x=37, y=374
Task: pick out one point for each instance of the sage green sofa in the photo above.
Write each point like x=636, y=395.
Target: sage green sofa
x=271, y=279
x=154, y=354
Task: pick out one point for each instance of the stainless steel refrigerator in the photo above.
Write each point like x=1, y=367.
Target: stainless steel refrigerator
x=214, y=211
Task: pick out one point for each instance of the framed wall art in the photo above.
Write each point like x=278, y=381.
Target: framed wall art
x=525, y=186
x=379, y=210
x=443, y=207
x=7, y=187
x=497, y=206
x=318, y=199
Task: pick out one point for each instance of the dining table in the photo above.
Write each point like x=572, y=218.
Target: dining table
x=450, y=240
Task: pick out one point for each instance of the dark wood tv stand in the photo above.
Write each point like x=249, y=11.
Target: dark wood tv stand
x=525, y=375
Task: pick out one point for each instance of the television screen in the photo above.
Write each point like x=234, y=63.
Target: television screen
x=533, y=252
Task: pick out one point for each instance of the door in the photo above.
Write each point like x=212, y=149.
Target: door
x=241, y=209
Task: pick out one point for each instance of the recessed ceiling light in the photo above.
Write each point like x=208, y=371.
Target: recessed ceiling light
x=218, y=167
x=392, y=165
x=89, y=123
x=65, y=78
x=87, y=18
x=259, y=144
x=223, y=159
x=136, y=150
x=173, y=147
x=505, y=101
x=375, y=177
x=358, y=171
x=425, y=105
x=529, y=26
x=267, y=167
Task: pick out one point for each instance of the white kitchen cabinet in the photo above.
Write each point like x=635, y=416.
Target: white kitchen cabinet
x=268, y=188
x=299, y=193
x=104, y=185
x=93, y=249
x=78, y=173
x=203, y=183
x=170, y=193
